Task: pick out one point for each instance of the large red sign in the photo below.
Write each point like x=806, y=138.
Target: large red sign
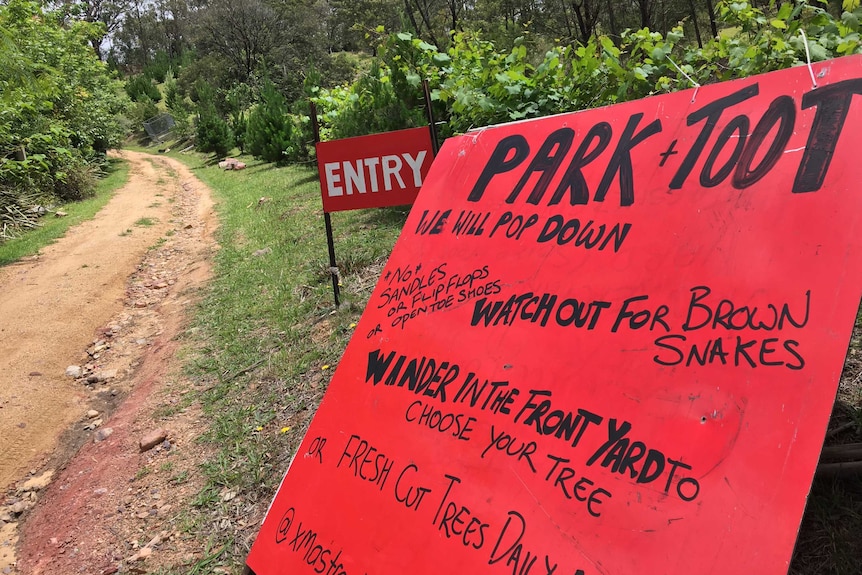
x=606, y=342
x=374, y=171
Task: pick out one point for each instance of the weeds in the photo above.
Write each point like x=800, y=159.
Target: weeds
x=51, y=228
x=264, y=331
x=180, y=478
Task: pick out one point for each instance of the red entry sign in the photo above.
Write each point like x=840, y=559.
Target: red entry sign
x=606, y=343
x=374, y=171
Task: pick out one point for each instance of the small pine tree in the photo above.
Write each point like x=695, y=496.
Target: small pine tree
x=269, y=133
x=178, y=107
x=238, y=100
x=212, y=133
x=141, y=88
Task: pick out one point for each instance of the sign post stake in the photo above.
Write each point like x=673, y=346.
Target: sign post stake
x=431, y=125
x=327, y=220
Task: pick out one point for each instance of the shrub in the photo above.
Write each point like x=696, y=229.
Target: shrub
x=59, y=109
x=270, y=127
x=140, y=112
x=213, y=134
x=141, y=88
x=374, y=106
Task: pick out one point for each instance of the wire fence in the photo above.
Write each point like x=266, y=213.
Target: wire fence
x=159, y=126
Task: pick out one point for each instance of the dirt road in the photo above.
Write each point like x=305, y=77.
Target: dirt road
x=110, y=297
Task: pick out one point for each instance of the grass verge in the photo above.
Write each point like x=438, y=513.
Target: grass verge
x=51, y=228
x=268, y=338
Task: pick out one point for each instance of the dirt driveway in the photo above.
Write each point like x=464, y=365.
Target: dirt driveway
x=109, y=298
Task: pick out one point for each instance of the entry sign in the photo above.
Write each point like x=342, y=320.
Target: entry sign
x=374, y=171
x=606, y=342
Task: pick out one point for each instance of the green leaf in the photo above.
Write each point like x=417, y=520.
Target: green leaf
x=659, y=53
x=818, y=52
x=675, y=35
x=777, y=23
x=414, y=79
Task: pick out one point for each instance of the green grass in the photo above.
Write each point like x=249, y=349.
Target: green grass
x=52, y=228
x=142, y=472
x=268, y=326
x=146, y=222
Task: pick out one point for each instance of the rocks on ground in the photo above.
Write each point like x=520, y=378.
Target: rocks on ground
x=23, y=497
x=231, y=164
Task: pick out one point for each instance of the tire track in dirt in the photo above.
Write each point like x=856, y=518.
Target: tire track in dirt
x=52, y=305
x=55, y=305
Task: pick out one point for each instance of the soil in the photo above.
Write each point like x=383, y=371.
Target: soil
x=112, y=298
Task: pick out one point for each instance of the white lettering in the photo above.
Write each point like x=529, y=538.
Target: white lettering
x=392, y=167
x=332, y=179
x=354, y=177
x=416, y=166
x=372, y=164
x=364, y=175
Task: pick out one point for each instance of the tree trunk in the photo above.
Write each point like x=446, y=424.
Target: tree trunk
x=645, y=10
x=453, y=12
x=410, y=15
x=694, y=21
x=711, y=13
x=613, y=21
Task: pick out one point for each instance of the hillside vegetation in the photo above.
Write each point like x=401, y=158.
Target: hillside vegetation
x=78, y=76
x=60, y=111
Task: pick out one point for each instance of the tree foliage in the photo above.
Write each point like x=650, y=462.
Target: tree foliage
x=141, y=87
x=212, y=132
x=487, y=61
x=270, y=128
x=107, y=13
x=475, y=83
x=59, y=106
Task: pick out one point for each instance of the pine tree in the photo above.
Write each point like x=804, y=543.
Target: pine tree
x=212, y=134
x=270, y=128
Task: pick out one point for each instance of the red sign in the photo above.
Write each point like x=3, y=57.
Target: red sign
x=374, y=171
x=606, y=342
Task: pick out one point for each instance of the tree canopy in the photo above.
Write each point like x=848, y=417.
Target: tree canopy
x=59, y=105
x=241, y=73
